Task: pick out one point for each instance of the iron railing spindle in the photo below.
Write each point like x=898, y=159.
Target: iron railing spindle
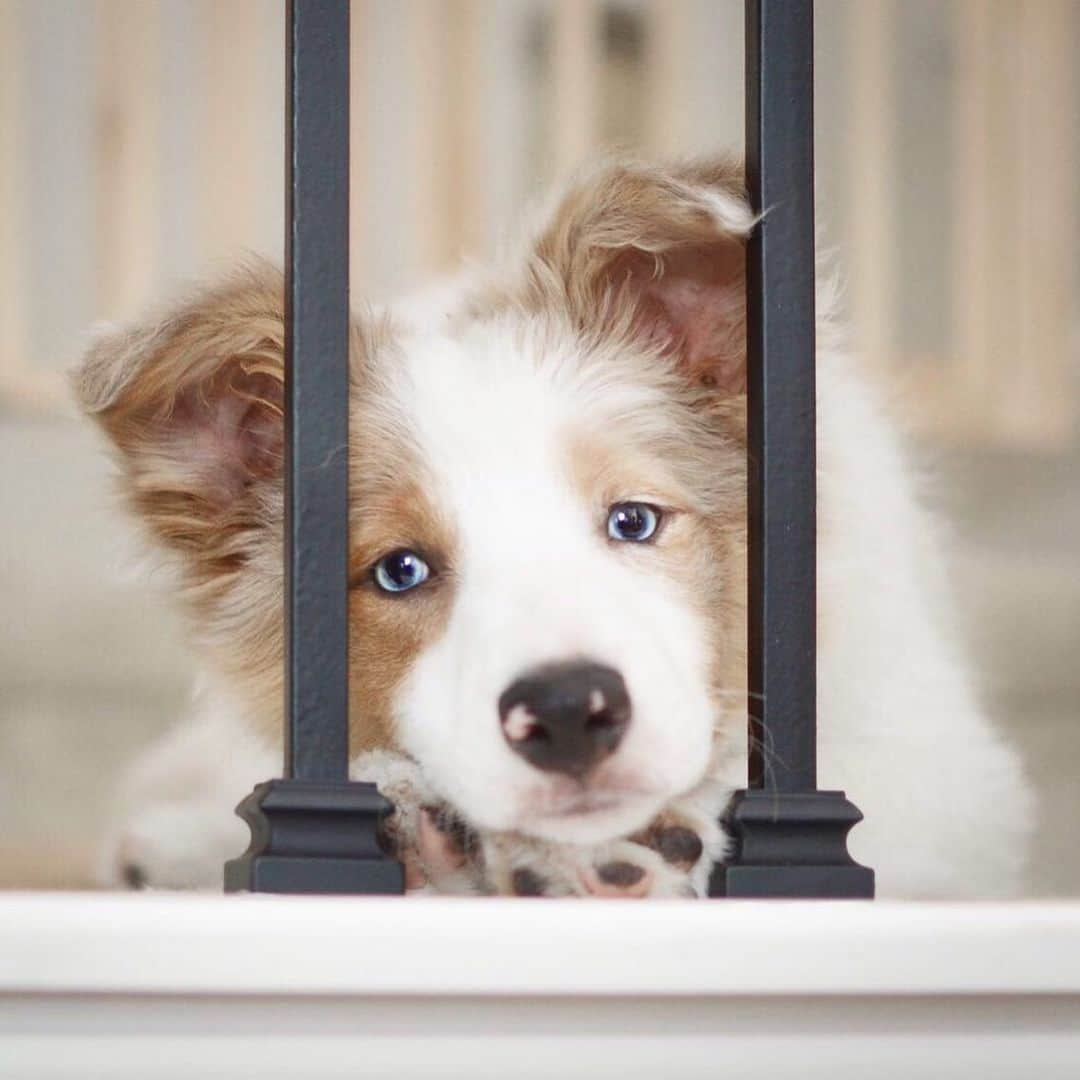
x=791, y=839
x=314, y=831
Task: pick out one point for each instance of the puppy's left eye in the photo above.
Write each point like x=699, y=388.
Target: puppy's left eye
x=633, y=521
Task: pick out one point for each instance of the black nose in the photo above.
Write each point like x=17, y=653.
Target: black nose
x=566, y=717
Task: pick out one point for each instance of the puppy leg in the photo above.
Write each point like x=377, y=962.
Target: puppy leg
x=175, y=824
x=439, y=850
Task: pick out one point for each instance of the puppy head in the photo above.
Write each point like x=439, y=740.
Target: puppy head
x=583, y=420
x=546, y=508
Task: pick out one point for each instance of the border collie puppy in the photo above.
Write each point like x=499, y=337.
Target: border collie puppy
x=548, y=560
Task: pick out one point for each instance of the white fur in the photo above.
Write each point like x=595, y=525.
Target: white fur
x=174, y=817
x=538, y=583
x=947, y=809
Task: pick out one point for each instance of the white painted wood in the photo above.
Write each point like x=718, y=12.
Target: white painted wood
x=538, y=1038
x=175, y=943
x=142, y=986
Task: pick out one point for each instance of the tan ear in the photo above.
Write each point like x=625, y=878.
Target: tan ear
x=193, y=403
x=660, y=250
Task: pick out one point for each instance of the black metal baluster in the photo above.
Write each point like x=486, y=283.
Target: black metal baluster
x=314, y=831
x=791, y=839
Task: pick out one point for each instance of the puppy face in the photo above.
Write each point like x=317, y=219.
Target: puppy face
x=546, y=503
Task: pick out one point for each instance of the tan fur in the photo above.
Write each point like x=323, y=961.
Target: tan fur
x=148, y=387
x=702, y=555
x=145, y=386
x=387, y=633
x=620, y=241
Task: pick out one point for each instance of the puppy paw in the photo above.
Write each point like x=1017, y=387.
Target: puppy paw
x=688, y=834
x=628, y=870
x=621, y=870
x=669, y=859
x=171, y=845
x=688, y=841
x=438, y=849
x=442, y=853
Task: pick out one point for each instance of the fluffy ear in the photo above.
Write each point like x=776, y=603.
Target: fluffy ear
x=659, y=253
x=193, y=403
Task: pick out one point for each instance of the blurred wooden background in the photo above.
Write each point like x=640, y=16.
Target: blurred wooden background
x=141, y=142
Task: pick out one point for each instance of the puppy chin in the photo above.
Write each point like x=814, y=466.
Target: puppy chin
x=596, y=825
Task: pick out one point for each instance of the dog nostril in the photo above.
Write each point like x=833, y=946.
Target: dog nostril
x=601, y=720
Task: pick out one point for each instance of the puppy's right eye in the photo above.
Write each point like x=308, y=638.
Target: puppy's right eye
x=400, y=571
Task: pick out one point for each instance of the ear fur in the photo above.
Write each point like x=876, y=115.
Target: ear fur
x=658, y=250
x=192, y=401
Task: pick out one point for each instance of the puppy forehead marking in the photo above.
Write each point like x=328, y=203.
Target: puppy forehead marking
x=487, y=418
x=496, y=412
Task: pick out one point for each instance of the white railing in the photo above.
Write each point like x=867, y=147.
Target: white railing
x=158, y=986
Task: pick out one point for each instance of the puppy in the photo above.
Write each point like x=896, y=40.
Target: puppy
x=548, y=559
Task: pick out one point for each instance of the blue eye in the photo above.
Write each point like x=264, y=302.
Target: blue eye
x=400, y=571
x=633, y=521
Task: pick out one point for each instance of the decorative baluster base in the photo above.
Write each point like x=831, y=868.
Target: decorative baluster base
x=791, y=845
x=314, y=837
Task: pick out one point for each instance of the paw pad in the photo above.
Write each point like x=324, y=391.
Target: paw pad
x=623, y=875
x=618, y=880
x=677, y=845
x=445, y=844
x=526, y=882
